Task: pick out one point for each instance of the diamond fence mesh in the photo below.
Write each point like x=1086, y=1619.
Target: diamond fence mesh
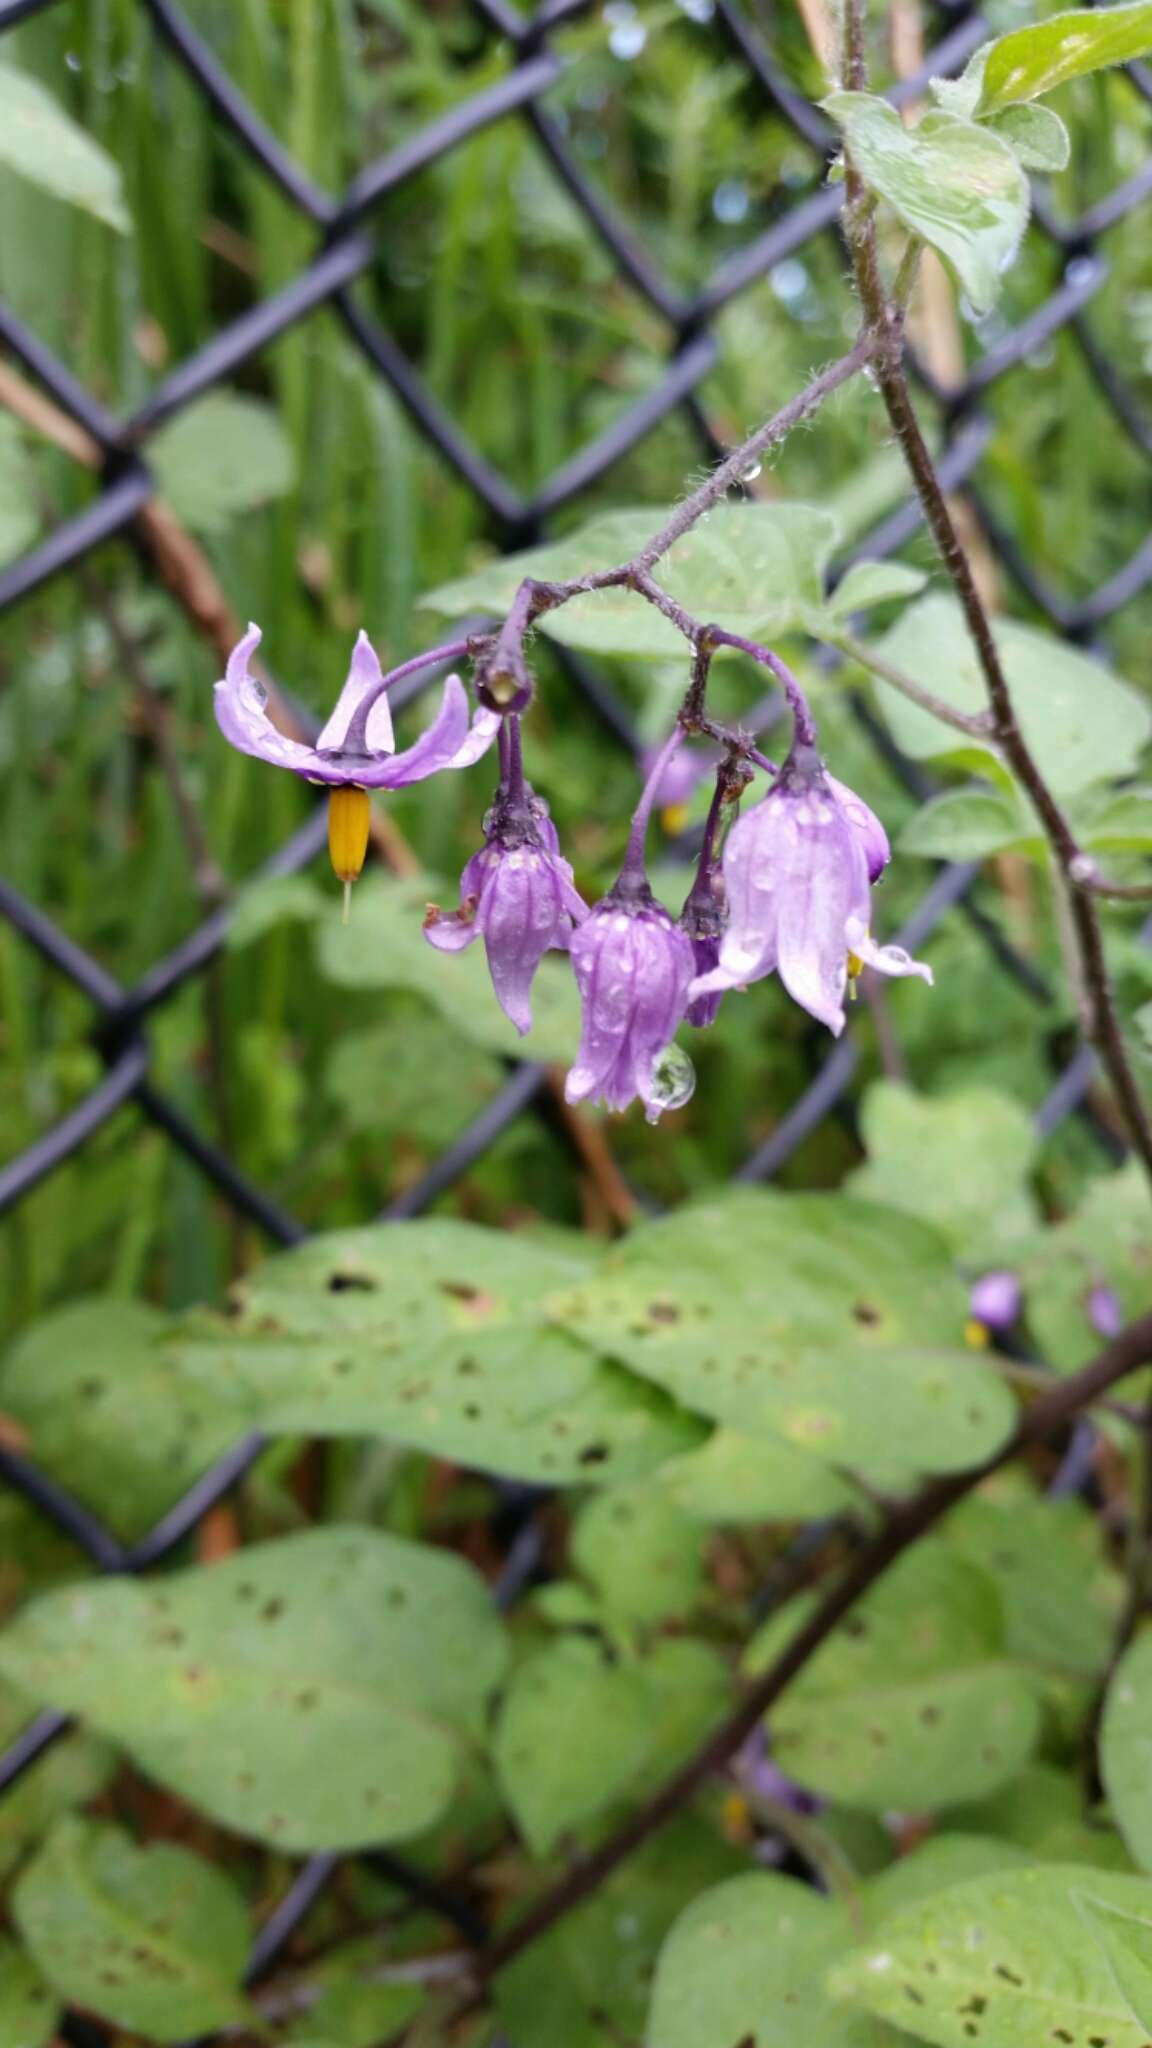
x=344, y=252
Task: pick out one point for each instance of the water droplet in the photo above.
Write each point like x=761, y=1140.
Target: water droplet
x=627, y=33
x=789, y=280
x=751, y=470
x=673, y=1081
x=697, y=10
x=73, y=62
x=730, y=201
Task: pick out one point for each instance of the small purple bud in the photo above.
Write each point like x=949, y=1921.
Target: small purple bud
x=632, y=965
x=995, y=1301
x=518, y=895
x=1104, y=1310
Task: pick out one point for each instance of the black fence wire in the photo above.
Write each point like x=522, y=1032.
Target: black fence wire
x=345, y=253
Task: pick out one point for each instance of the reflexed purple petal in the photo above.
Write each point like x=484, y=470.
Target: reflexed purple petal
x=891, y=960
x=867, y=827
x=995, y=1300
x=241, y=715
x=447, y=743
x=363, y=675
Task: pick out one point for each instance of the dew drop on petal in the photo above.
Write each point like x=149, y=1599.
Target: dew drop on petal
x=673, y=1081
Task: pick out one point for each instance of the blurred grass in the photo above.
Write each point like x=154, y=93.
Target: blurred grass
x=493, y=284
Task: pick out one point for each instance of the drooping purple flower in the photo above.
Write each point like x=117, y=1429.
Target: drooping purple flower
x=633, y=966
x=798, y=870
x=995, y=1300
x=1105, y=1312
x=517, y=894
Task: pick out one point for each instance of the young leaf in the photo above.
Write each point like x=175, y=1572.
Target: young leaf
x=755, y=569
x=571, y=1736
x=869, y=583
x=644, y=1558
x=28, y=2010
x=740, y=1478
x=312, y=1692
x=956, y=185
x=153, y=1939
x=1119, y=821
x=1036, y=135
x=1046, y=54
x=1082, y=723
x=1126, y=1749
x=223, y=456
x=1006, y=1954
x=911, y=1703
x=969, y=824
x=1060, y=1594
x=43, y=143
x=813, y=1318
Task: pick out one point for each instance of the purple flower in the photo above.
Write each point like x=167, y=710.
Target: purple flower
x=1104, y=1310
x=995, y=1301
x=798, y=870
x=633, y=966
x=356, y=746
x=517, y=894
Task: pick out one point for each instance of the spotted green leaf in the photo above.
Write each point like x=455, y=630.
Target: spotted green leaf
x=812, y=1319
x=1082, y=723
x=1008, y=1955
x=153, y=1939
x=1038, y=58
x=314, y=1692
x=28, y=2009
x=432, y=1333
x=911, y=1704
x=643, y=1556
x=1126, y=1940
x=754, y=568
x=43, y=144
x=1061, y=1595
x=735, y=1477
x=953, y=183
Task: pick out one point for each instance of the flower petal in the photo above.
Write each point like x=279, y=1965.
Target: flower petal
x=867, y=827
x=752, y=873
x=447, y=743
x=240, y=701
x=825, y=874
x=886, y=959
x=364, y=674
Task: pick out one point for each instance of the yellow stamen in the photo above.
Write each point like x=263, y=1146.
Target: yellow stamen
x=976, y=1334
x=855, y=970
x=674, y=817
x=349, y=813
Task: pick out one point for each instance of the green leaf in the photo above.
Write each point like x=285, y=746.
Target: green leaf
x=754, y=568
x=934, y=1866
x=911, y=1703
x=267, y=904
x=355, y=2012
x=73, y=1771
x=954, y=184
x=959, y=1161
x=1043, y=1810
x=1114, y=820
x=312, y=1692
x=384, y=947
x=643, y=1557
x=572, y=1733
x=813, y=1318
x=740, y=1478
x=1061, y=1596
x=1036, y=136
x=40, y=141
x=1105, y=1242
x=586, y=1984
x=152, y=1939
x=869, y=583
x=1126, y=1940
x=437, y=1083
x=28, y=2010
x=746, y=1963
x=432, y=1334
x=222, y=456
x=1082, y=724
x=1007, y=1955
x=970, y=824
x=1126, y=1748
x=1048, y=53
x=110, y=1413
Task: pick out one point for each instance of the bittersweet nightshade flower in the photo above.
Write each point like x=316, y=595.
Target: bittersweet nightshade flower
x=355, y=751
x=517, y=893
x=995, y=1300
x=798, y=870
x=633, y=965
x=1105, y=1312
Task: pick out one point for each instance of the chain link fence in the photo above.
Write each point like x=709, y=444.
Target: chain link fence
x=345, y=251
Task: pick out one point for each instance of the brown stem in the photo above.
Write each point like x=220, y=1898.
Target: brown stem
x=909, y=1520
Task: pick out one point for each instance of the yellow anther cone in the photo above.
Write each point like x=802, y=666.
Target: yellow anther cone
x=349, y=814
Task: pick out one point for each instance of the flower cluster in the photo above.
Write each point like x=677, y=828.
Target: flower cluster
x=785, y=889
